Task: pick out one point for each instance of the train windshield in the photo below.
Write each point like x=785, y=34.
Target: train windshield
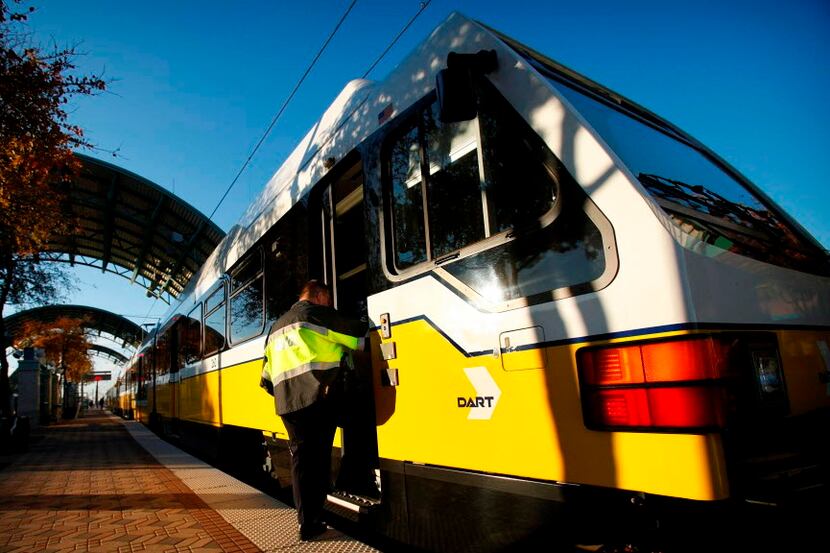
x=702, y=198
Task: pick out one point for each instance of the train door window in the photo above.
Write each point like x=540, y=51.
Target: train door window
x=482, y=200
x=247, y=298
x=214, y=324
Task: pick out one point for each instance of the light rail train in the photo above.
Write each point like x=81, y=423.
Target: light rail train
x=585, y=325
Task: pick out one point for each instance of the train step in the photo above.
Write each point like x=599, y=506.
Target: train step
x=355, y=503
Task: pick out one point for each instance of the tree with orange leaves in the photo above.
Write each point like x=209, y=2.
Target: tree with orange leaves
x=64, y=343
x=36, y=165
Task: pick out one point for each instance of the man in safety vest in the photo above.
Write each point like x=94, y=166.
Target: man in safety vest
x=303, y=356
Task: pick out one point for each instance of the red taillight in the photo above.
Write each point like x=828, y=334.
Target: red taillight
x=670, y=385
x=603, y=367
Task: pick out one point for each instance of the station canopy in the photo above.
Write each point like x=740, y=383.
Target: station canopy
x=134, y=228
x=108, y=353
x=125, y=332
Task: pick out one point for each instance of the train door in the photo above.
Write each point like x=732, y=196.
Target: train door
x=345, y=271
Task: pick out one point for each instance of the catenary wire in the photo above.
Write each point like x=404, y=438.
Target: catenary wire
x=403, y=30
x=282, y=108
x=400, y=34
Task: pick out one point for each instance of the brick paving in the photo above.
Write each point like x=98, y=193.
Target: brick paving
x=100, y=484
x=86, y=485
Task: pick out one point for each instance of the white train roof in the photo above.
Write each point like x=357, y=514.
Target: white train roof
x=351, y=117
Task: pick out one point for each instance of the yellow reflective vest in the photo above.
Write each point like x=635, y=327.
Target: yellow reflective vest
x=304, y=353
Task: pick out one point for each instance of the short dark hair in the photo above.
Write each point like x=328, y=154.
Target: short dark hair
x=314, y=289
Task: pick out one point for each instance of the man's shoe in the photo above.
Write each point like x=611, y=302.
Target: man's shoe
x=310, y=531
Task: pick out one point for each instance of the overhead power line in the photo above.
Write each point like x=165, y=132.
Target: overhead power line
x=421, y=9
x=284, y=105
x=400, y=34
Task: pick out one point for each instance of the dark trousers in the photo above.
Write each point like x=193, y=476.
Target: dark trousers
x=310, y=433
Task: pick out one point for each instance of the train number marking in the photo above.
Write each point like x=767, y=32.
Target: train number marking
x=487, y=394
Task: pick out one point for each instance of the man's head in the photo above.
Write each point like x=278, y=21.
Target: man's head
x=315, y=291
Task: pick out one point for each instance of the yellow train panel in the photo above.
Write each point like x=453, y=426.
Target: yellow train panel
x=199, y=399
x=143, y=410
x=166, y=400
x=471, y=413
x=122, y=403
x=244, y=403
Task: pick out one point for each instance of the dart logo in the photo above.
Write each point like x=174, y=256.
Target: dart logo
x=483, y=404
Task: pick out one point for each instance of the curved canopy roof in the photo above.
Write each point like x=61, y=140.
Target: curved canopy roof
x=108, y=353
x=134, y=228
x=129, y=333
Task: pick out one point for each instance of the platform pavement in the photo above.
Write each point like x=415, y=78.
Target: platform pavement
x=100, y=484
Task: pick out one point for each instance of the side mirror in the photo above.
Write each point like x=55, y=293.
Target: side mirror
x=457, y=99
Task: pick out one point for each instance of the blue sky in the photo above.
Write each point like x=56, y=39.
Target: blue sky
x=195, y=84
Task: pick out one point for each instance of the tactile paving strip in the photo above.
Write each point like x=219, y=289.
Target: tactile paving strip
x=268, y=523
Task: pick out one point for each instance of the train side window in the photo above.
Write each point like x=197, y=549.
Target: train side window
x=454, y=186
x=214, y=324
x=702, y=197
x=518, y=184
x=480, y=202
x=163, y=353
x=286, y=261
x=447, y=153
x=175, y=336
x=181, y=339
x=141, y=387
x=247, y=305
x=148, y=360
x=214, y=300
x=190, y=336
x=407, y=201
